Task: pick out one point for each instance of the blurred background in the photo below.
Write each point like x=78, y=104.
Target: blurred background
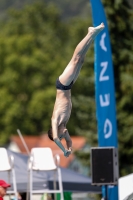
x=37, y=40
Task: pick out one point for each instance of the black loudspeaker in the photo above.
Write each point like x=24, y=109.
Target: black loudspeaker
x=104, y=166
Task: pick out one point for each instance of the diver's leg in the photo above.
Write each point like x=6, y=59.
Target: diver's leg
x=72, y=70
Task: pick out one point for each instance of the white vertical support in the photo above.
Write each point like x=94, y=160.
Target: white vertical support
x=13, y=176
x=30, y=183
x=55, y=196
x=14, y=183
x=28, y=187
x=9, y=181
x=60, y=183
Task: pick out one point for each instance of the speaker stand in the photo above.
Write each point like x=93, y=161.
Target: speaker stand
x=104, y=192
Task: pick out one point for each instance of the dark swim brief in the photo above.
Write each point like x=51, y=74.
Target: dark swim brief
x=60, y=86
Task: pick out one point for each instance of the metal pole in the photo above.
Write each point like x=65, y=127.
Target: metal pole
x=24, y=143
x=104, y=192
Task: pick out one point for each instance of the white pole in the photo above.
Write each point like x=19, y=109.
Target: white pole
x=24, y=143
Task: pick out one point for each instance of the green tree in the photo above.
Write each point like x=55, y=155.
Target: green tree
x=35, y=47
x=29, y=43
x=121, y=31
x=68, y=8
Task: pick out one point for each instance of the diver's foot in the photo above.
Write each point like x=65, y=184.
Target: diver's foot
x=95, y=30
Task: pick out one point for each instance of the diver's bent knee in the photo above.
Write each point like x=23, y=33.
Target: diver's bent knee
x=78, y=60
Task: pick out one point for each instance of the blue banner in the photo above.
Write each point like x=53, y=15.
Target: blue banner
x=104, y=85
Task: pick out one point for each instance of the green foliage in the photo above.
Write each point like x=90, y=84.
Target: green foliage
x=68, y=8
x=35, y=48
x=28, y=68
x=121, y=31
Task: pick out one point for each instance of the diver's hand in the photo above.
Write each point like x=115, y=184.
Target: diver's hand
x=67, y=152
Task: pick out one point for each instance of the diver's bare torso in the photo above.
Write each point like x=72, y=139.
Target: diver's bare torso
x=62, y=107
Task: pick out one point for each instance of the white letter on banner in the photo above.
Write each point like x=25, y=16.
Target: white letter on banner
x=102, y=42
x=103, y=78
x=109, y=125
x=107, y=100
